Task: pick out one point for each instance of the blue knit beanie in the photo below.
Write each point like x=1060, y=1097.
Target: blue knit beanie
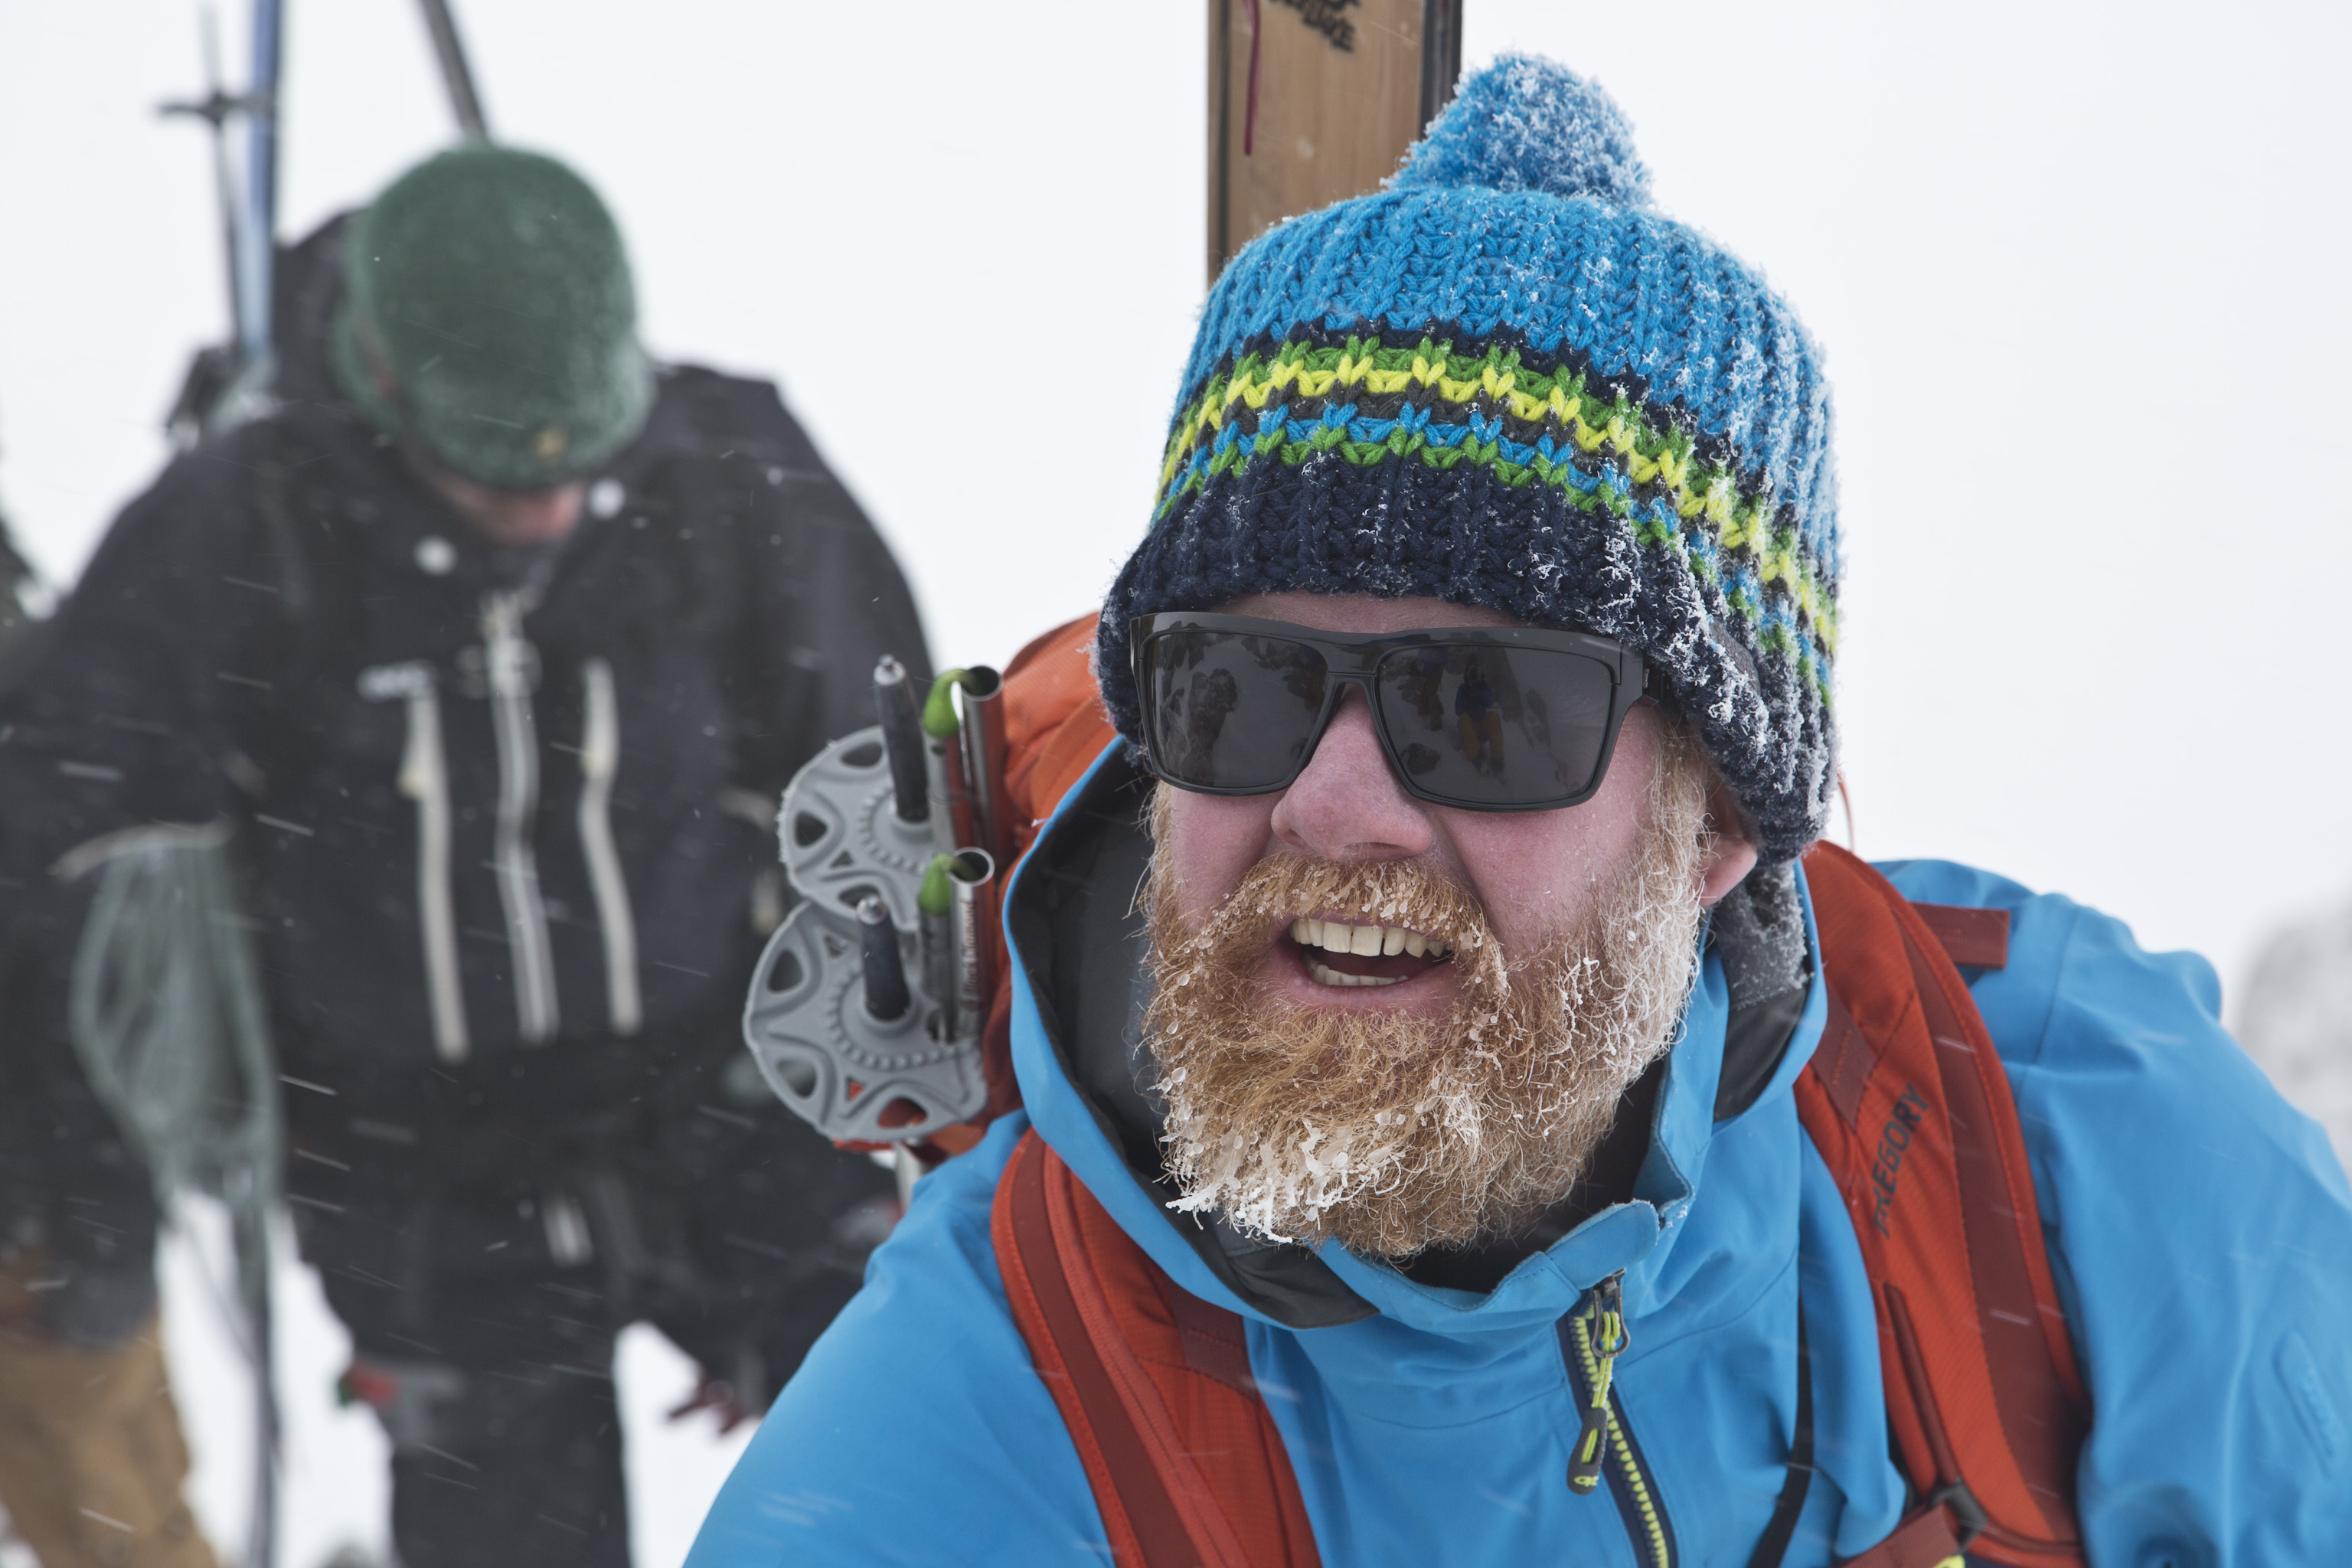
x=1505, y=381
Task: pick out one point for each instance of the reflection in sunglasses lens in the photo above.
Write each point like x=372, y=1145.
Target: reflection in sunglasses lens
x=1494, y=725
x=1229, y=711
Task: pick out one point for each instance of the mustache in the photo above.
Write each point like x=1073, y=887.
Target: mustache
x=1411, y=894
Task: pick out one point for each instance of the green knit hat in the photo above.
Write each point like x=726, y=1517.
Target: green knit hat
x=492, y=285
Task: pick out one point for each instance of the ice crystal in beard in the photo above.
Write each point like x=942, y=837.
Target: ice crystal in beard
x=1393, y=1132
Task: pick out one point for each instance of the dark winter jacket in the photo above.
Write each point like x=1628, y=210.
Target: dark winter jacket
x=491, y=807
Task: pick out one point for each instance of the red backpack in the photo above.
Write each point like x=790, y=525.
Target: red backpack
x=1906, y=1099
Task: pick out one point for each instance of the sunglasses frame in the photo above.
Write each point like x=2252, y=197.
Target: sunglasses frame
x=1352, y=659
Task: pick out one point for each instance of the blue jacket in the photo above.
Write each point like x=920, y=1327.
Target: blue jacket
x=2202, y=1232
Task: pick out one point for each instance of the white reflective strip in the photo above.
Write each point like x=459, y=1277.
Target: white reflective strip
x=425, y=779
x=599, y=759
x=509, y=660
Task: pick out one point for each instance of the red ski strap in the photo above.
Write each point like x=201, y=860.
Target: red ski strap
x=1908, y=1103
x=1154, y=1383
x=1976, y=938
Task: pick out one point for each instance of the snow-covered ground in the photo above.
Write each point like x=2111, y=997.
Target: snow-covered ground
x=335, y=1490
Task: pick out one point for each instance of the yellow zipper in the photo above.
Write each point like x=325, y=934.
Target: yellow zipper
x=1600, y=1337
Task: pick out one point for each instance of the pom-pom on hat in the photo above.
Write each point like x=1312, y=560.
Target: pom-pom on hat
x=490, y=285
x=1505, y=381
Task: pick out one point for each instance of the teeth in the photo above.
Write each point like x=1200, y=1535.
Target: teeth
x=1322, y=975
x=1369, y=942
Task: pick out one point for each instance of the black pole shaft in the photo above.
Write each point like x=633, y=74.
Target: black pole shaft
x=902, y=738
x=885, y=971
x=455, y=75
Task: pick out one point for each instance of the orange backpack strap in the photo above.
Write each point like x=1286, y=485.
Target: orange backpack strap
x=1154, y=1383
x=1907, y=1102
x=1055, y=725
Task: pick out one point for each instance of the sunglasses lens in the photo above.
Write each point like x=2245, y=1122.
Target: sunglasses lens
x=1227, y=710
x=1496, y=726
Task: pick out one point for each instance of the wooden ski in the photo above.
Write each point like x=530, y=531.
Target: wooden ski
x=1312, y=102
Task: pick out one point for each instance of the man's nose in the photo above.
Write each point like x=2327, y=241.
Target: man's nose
x=1347, y=804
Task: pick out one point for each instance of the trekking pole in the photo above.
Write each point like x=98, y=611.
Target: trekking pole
x=885, y=974
x=953, y=908
x=983, y=761
x=943, y=765
x=935, y=906
x=896, y=904
x=902, y=738
x=973, y=872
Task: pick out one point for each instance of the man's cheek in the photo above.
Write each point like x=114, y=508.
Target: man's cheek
x=1211, y=842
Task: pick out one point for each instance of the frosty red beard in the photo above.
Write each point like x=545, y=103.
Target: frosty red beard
x=1391, y=1131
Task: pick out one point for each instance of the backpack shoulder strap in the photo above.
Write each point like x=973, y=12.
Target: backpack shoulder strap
x=1908, y=1103
x=1055, y=725
x=1153, y=1383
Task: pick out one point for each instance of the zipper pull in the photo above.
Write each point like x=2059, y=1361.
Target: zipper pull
x=1599, y=1331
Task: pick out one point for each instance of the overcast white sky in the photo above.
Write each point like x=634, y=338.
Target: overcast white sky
x=2078, y=270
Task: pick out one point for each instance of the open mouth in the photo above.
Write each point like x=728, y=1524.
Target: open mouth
x=1338, y=953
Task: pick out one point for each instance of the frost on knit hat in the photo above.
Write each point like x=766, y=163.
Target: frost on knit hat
x=1505, y=381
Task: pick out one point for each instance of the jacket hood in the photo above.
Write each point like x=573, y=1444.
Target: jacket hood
x=1076, y=929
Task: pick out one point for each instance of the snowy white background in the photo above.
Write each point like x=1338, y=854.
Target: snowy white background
x=2078, y=270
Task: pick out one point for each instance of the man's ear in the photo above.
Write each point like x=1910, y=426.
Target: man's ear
x=1730, y=851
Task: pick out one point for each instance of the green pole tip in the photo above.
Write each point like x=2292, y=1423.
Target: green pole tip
x=938, y=708
x=937, y=895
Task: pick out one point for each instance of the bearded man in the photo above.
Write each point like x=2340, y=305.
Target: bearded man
x=1465, y=1119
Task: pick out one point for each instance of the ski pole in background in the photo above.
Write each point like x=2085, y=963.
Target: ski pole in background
x=260, y=246
x=228, y=383
x=455, y=75
x=214, y=108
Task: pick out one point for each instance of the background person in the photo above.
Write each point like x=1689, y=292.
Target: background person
x=493, y=647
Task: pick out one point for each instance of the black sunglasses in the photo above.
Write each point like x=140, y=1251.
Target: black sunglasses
x=1484, y=718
